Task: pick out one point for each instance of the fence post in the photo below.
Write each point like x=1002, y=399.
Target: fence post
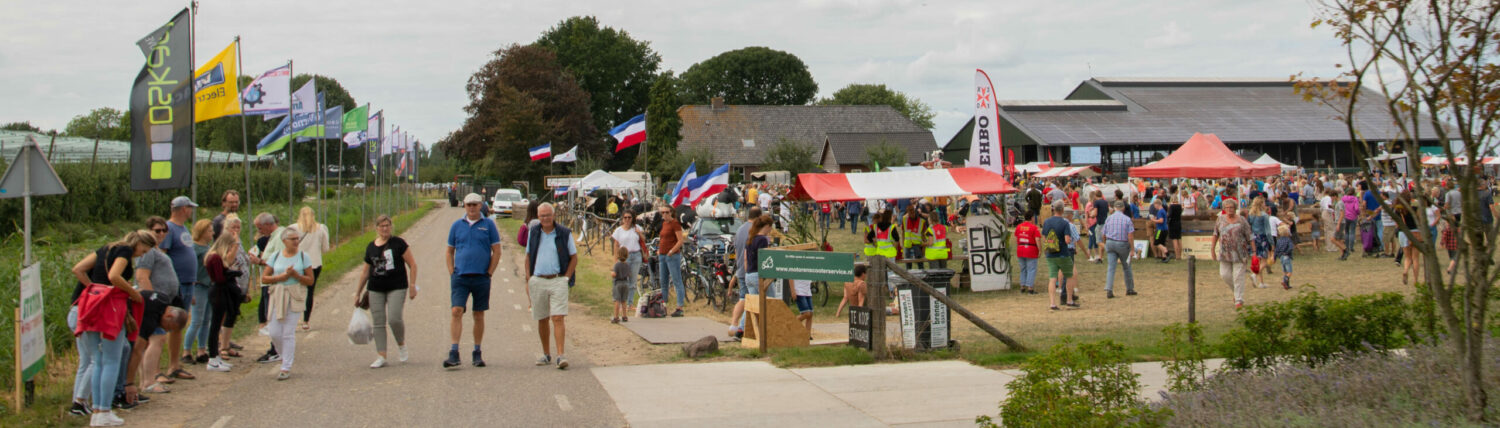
x=1192, y=292
x=876, y=301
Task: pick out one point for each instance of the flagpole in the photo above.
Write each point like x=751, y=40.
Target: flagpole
x=192, y=106
x=291, y=141
x=318, y=162
x=244, y=132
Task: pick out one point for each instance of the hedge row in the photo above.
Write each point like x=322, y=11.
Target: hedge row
x=101, y=194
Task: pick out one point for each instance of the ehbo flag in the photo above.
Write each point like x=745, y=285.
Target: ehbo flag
x=161, y=109
x=541, y=152
x=630, y=133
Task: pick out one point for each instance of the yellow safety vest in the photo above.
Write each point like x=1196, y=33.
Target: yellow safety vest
x=939, y=248
x=883, y=244
x=869, y=246
x=911, y=238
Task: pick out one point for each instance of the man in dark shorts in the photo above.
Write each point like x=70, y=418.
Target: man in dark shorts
x=473, y=254
x=159, y=315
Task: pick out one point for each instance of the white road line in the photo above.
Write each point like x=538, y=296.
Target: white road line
x=526, y=327
x=518, y=307
x=562, y=402
x=224, y=421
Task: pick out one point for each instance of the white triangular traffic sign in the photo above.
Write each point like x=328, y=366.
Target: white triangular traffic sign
x=30, y=161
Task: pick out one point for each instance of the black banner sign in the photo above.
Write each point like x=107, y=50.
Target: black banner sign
x=161, y=109
x=859, y=327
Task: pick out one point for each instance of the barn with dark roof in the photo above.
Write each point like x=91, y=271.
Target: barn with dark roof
x=837, y=135
x=1118, y=123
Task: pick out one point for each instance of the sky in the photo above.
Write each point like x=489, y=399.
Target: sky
x=61, y=59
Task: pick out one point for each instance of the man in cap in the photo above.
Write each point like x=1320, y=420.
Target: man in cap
x=473, y=254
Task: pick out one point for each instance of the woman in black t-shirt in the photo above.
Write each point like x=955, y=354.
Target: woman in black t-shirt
x=1174, y=224
x=390, y=276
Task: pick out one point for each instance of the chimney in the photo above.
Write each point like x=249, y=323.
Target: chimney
x=717, y=103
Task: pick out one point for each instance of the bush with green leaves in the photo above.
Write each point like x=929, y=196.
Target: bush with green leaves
x=1087, y=385
x=1311, y=329
x=1185, y=350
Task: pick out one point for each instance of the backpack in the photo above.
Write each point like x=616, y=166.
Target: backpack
x=653, y=305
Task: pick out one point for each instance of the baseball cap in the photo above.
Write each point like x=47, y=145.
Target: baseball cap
x=473, y=198
x=183, y=201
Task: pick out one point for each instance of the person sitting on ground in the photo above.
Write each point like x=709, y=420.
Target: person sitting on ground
x=854, y=291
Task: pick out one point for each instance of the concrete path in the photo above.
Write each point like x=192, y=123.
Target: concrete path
x=757, y=394
x=333, y=386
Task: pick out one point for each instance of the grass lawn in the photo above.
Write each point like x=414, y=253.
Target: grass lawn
x=1135, y=321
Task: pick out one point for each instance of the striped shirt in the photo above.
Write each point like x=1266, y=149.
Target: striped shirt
x=1118, y=227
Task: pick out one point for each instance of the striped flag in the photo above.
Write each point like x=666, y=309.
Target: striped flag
x=541, y=152
x=630, y=133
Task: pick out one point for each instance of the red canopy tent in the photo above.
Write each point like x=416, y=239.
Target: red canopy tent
x=1204, y=156
x=898, y=185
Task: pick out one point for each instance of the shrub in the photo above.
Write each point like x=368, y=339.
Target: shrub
x=1185, y=352
x=1420, y=388
x=1088, y=385
x=1311, y=329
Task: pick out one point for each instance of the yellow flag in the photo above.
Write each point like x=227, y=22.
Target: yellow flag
x=216, y=91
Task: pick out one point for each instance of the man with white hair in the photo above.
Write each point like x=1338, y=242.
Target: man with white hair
x=551, y=260
x=268, y=227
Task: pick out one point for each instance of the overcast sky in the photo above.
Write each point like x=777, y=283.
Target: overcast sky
x=411, y=58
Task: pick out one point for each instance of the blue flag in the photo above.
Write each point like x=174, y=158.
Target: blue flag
x=276, y=140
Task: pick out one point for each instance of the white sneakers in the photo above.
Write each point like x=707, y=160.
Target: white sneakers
x=403, y=355
x=379, y=362
x=218, y=365
x=106, y=419
x=264, y=331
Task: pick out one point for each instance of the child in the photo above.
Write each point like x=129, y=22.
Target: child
x=621, y=291
x=1284, y=247
x=803, y=289
x=854, y=292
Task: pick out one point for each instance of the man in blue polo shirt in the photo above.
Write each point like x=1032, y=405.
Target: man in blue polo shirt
x=473, y=253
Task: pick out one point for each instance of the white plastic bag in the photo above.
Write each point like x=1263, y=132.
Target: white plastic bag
x=640, y=305
x=361, y=327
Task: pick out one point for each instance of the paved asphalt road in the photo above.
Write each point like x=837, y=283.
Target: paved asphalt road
x=333, y=386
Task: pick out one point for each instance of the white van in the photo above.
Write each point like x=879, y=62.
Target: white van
x=505, y=200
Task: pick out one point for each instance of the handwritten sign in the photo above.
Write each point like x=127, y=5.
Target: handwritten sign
x=989, y=263
x=859, y=327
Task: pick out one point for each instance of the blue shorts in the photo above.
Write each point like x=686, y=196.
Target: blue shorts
x=1286, y=264
x=476, y=285
x=804, y=304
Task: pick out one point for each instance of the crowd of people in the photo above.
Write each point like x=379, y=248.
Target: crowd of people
x=177, y=288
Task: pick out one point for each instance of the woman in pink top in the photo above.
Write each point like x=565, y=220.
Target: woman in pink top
x=1351, y=221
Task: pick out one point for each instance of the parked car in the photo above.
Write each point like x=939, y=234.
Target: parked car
x=505, y=201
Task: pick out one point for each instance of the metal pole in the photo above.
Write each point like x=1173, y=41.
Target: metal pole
x=192, y=107
x=340, y=207
x=244, y=132
x=290, y=142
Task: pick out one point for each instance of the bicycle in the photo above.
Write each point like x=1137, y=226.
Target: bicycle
x=820, y=292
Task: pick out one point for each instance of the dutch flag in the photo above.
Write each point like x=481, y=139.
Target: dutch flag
x=560, y=192
x=630, y=133
x=541, y=152
x=680, y=193
x=710, y=184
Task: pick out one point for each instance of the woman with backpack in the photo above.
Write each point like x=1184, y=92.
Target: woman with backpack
x=287, y=276
x=102, y=324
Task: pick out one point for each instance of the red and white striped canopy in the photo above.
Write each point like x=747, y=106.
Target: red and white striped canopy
x=1069, y=171
x=898, y=185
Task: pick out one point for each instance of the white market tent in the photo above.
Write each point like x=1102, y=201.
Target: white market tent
x=1034, y=167
x=1266, y=159
x=1069, y=171
x=604, y=180
x=905, y=168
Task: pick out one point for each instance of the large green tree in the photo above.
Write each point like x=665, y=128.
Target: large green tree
x=791, y=156
x=520, y=99
x=662, y=128
x=885, y=154
x=615, y=69
x=103, y=123
x=24, y=126
x=878, y=94
x=752, y=76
